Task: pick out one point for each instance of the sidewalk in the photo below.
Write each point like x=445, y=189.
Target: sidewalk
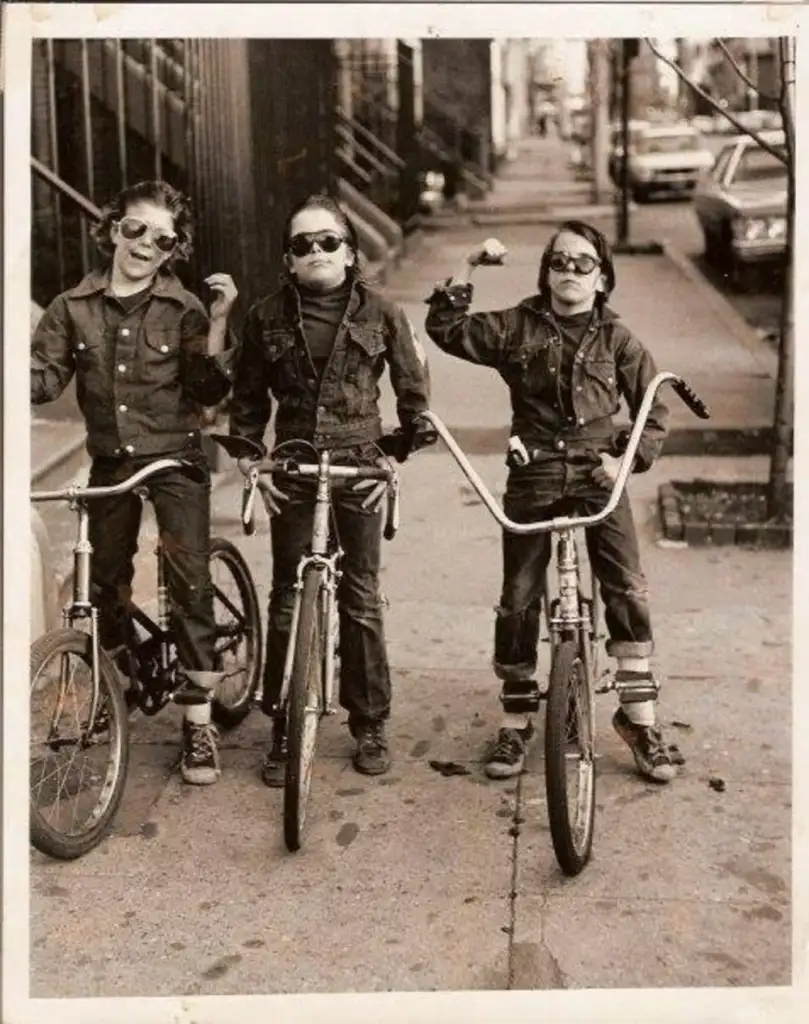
x=417, y=882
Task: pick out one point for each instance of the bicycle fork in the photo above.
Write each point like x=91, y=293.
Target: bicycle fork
x=319, y=559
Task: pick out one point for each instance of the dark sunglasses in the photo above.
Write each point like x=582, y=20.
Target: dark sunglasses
x=132, y=228
x=582, y=265
x=326, y=241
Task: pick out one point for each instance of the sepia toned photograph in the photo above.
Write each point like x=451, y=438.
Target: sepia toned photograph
x=410, y=544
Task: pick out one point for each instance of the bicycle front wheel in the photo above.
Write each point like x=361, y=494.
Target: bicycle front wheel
x=238, y=634
x=78, y=767
x=570, y=776
x=304, y=708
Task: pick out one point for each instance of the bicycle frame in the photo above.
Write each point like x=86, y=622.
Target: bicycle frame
x=328, y=563
x=574, y=612
x=81, y=606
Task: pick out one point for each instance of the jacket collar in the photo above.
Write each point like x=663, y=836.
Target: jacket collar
x=357, y=299
x=539, y=306
x=166, y=286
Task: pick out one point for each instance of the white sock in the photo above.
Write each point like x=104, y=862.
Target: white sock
x=633, y=664
x=641, y=712
x=515, y=721
x=198, y=714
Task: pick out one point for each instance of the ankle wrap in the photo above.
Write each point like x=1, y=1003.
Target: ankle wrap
x=635, y=687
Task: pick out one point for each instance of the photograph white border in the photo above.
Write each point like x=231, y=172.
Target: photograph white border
x=22, y=23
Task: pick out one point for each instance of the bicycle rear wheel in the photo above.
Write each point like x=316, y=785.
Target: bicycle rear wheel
x=304, y=708
x=78, y=768
x=238, y=634
x=570, y=759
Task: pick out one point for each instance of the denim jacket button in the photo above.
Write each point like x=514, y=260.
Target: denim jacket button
x=560, y=444
x=125, y=332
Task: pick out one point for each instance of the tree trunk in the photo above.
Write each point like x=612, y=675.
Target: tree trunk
x=778, y=498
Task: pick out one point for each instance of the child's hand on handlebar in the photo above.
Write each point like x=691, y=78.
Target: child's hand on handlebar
x=271, y=495
x=607, y=473
x=376, y=489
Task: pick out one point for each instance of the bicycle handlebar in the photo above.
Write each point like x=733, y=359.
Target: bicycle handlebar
x=242, y=447
x=686, y=393
x=142, y=475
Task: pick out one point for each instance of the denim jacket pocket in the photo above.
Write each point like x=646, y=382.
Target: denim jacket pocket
x=162, y=344
x=276, y=342
x=600, y=384
x=364, y=345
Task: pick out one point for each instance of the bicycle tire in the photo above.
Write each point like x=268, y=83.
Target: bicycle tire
x=43, y=835
x=228, y=715
x=572, y=835
x=304, y=707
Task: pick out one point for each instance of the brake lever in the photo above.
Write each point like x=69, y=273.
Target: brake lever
x=249, y=501
x=392, y=518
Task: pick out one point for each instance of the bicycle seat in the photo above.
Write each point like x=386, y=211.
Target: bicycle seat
x=238, y=447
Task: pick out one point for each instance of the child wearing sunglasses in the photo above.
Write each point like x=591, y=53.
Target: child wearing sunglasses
x=146, y=357
x=317, y=348
x=567, y=360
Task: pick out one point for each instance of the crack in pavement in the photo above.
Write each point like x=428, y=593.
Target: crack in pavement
x=531, y=965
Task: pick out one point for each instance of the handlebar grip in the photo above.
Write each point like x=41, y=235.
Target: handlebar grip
x=692, y=400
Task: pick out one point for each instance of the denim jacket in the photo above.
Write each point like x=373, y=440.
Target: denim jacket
x=342, y=410
x=141, y=391
x=524, y=345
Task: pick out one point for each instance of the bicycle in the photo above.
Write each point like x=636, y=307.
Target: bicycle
x=98, y=725
x=573, y=618
x=307, y=688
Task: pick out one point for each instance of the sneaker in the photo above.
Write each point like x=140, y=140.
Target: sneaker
x=200, y=764
x=372, y=756
x=653, y=756
x=274, y=765
x=508, y=755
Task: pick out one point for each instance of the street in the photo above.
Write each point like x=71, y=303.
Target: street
x=419, y=882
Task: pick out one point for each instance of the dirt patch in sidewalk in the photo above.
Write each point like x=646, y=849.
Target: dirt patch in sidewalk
x=705, y=512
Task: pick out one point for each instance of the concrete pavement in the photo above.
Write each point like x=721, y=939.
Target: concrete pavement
x=417, y=882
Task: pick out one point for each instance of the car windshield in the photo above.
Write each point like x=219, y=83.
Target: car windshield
x=667, y=143
x=756, y=164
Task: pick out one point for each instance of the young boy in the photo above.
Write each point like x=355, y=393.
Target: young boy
x=146, y=357
x=567, y=360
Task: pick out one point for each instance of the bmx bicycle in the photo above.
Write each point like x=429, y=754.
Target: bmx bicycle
x=307, y=688
x=574, y=624
x=80, y=714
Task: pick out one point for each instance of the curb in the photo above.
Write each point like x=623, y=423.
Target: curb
x=722, y=306
x=57, y=459
x=676, y=527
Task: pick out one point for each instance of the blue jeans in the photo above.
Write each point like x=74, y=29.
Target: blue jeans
x=182, y=510
x=543, y=491
x=365, y=688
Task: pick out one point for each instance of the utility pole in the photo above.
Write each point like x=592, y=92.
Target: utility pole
x=599, y=109
x=628, y=50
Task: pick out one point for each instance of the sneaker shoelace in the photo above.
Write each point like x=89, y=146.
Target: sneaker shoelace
x=509, y=747
x=202, y=742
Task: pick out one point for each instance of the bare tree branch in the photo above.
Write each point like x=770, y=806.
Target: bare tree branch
x=749, y=132
x=742, y=74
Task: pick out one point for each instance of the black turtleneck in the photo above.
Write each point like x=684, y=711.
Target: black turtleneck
x=321, y=313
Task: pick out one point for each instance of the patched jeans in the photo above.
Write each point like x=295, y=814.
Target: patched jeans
x=182, y=509
x=543, y=491
x=365, y=688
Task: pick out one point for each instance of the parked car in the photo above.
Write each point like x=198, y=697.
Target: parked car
x=741, y=205
x=662, y=158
